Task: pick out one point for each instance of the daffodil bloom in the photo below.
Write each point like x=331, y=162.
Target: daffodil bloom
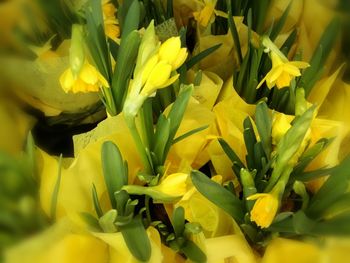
x=81, y=76
x=154, y=68
x=283, y=71
x=89, y=79
x=266, y=205
x=281, y=124
x=111, y=23
x=204, y=16
x=171, y=188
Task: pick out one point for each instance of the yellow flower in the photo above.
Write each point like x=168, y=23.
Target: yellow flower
x=171, y=52
x=88, y=80
x=171, y=188
x=111, y=24
x=204, y=16
x=281, y=124
x=153, y=72
x=282, y=72
x=158, y=78
x=264, y=209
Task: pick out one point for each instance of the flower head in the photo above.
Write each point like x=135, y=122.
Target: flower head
x=264, y=210
x=87, y=80
x=283, y=71
x=266, y=205
x=80, y=76
x=153, y=70
x=111, y=23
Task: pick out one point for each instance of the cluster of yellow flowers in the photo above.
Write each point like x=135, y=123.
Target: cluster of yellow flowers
x=247, y=152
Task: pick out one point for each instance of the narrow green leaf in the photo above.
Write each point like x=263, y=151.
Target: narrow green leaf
x=97, y=205
x=320, y=55
x=218, y=195
x=264, y=126
x=231, y=154
x=335, y=186
x=179, y=221
x=197, y=58
x=234, y=32
x=136, y=239
x=114, y=169
x=250, y=141
x=127, y=55
x=189, y=133
x=161, y=137
x=177, y=112
x=290, y=144
x=281, y=22
x=193, y=252
x=132, y=19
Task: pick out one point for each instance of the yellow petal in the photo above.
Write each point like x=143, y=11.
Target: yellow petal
x=157, y=78
x=170, y=50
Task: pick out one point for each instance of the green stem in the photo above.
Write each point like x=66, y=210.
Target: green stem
x=139, y=144
x=148, y=211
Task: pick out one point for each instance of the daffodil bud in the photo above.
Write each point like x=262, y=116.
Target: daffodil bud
x=76, y=53
x=279, y=127
x=170, y=189
x=171, y=52
x=173, y=185
x=148, y=47
x=266, y=206
x=157, y=78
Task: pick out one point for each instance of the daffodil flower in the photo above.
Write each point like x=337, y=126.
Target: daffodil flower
x=87, y=80
x=266, y=205
x=283, y=71
x=81, y=76
x=153, y=70
x=111, y=24
x=171, y=188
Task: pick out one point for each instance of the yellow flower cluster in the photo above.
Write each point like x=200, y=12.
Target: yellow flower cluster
x=88, y=203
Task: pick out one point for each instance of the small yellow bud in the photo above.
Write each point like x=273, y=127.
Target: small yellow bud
x=279, y=128
x=157, y=78
x=173, y=185
x=264, y=210
x=172, y=53
x=266, y=205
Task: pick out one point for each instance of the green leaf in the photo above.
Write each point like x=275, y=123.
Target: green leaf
x=290, y=144
x=115, y=170
x=335, y=186
x=231, y=154
x=179, y=221
x=177, y=112
x=91, y=221
x=136, y=239
x=250, y=141
x=281, y=22
x=56, y=190
x=132, y=19
x=234, y=32
x=127, y=55
x=161, y=137
x=193, y=252
x=264, y=125
x=197, y=58
x=97, y=205
x=320, y=55
x=218, y=195
x=107, y=221
x=189, y=133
